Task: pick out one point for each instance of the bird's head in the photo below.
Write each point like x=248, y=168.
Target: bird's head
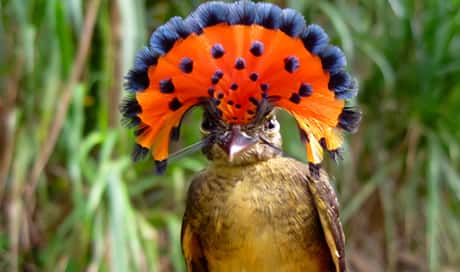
x=240, y=61
x=238, y=144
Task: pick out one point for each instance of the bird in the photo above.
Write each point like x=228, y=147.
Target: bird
x=253, y=208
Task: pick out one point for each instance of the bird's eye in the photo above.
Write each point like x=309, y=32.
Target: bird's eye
x=271, y=124
x=206, y=126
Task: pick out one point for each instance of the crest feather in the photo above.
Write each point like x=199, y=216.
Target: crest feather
x=240, y=59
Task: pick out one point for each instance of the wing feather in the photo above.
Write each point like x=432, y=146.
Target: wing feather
x=327, y=206
x=192, y=250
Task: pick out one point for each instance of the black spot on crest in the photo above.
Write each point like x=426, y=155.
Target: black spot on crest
x=214, y=80
x=240, y=63
x=211, y=91
x=254, y=101
x=186, y=65
x=295, y=98
x=257, y=48
x=234, y=86
x=217, y=51
x=305, y=89
x=291, y=64
x=166, y=85
x=253, y=76
x=217, y=76
x=264, y=87
x=175, y=104
x=238, y=106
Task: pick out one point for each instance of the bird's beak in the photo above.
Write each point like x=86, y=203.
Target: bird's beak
x=235, y=141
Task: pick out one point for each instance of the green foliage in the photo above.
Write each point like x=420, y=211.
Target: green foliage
x=93, y=209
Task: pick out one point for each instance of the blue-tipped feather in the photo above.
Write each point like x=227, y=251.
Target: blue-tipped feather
x=314, y=38
x=163, y=39
x=268, y=15
x=137, y=78
x=292, y=23
x=349, y=119
x=178, y=25
x=207, y=14
x=160, y=167
x=343, y=85
x=332, y=59
x=130, y=107
x=131, y=122
x=242, y=13
x=139, y=152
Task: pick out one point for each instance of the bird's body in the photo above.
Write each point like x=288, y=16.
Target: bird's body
x=255, y=217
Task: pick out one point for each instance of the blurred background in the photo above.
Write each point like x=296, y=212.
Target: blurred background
x=72, y=200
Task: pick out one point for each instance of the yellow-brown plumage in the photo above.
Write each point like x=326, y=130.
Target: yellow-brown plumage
x=261, y=212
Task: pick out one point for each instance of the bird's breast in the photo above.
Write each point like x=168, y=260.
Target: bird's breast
x=259, y=217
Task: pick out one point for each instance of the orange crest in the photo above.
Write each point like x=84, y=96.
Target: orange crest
x=233, y=56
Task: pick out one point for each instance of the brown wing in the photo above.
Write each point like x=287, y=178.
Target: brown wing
x=192, y=250
x=327, y=206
